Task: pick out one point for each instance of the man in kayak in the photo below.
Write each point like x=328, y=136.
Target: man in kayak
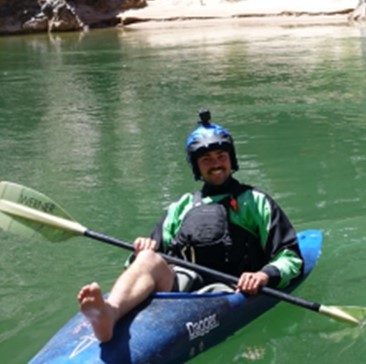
x=227, y=226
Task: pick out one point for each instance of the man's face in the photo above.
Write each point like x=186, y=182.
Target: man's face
x=215, y=166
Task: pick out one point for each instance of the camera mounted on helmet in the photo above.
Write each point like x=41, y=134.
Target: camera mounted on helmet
x=205, y=117
x=208, y=137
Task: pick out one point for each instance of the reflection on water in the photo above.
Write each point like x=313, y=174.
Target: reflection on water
x=251, y=354
x=98, y=122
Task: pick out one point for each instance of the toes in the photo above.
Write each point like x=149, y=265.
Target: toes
x=90, y=290
x=94, y=287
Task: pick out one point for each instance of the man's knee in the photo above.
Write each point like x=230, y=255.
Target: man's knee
x=149, y=258
x=151, y=263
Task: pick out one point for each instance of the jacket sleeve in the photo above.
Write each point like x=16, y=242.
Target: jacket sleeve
x=166, y=230
x=282, y=251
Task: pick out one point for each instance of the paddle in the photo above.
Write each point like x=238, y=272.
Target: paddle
x=26, y=212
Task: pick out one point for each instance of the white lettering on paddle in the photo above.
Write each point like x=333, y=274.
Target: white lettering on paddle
x=202, y=327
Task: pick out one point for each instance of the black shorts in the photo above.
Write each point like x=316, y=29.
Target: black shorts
x=187, y=280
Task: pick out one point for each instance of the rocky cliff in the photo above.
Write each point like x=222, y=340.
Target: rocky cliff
x=31, y=16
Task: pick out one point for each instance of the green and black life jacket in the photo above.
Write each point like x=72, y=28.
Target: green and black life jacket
x=208, y=237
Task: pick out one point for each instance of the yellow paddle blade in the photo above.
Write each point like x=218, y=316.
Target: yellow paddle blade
x=359, y=313
x=28, y=213
x=351, y=314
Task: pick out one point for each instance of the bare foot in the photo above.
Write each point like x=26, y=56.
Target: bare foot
x=97, y=310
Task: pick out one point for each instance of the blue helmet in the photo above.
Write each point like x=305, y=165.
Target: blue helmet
x=208, y=137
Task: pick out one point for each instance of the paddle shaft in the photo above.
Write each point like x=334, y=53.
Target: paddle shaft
x=222, y=277
x=12, y=207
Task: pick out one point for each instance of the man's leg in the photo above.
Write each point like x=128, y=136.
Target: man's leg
x=147, y=274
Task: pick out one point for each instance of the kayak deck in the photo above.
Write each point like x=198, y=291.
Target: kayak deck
x=168, y=327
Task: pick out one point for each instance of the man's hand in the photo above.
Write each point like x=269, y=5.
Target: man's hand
x=144, y=244
x=251, y=282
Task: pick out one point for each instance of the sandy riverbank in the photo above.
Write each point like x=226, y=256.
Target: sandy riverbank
x=163, y=13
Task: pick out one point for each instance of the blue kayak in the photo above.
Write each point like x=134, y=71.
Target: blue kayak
x=169, y=327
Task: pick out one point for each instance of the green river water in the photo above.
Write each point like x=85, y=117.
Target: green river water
x=98, y=123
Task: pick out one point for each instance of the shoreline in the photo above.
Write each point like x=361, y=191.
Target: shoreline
x=260, y=21
x=162, y=14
